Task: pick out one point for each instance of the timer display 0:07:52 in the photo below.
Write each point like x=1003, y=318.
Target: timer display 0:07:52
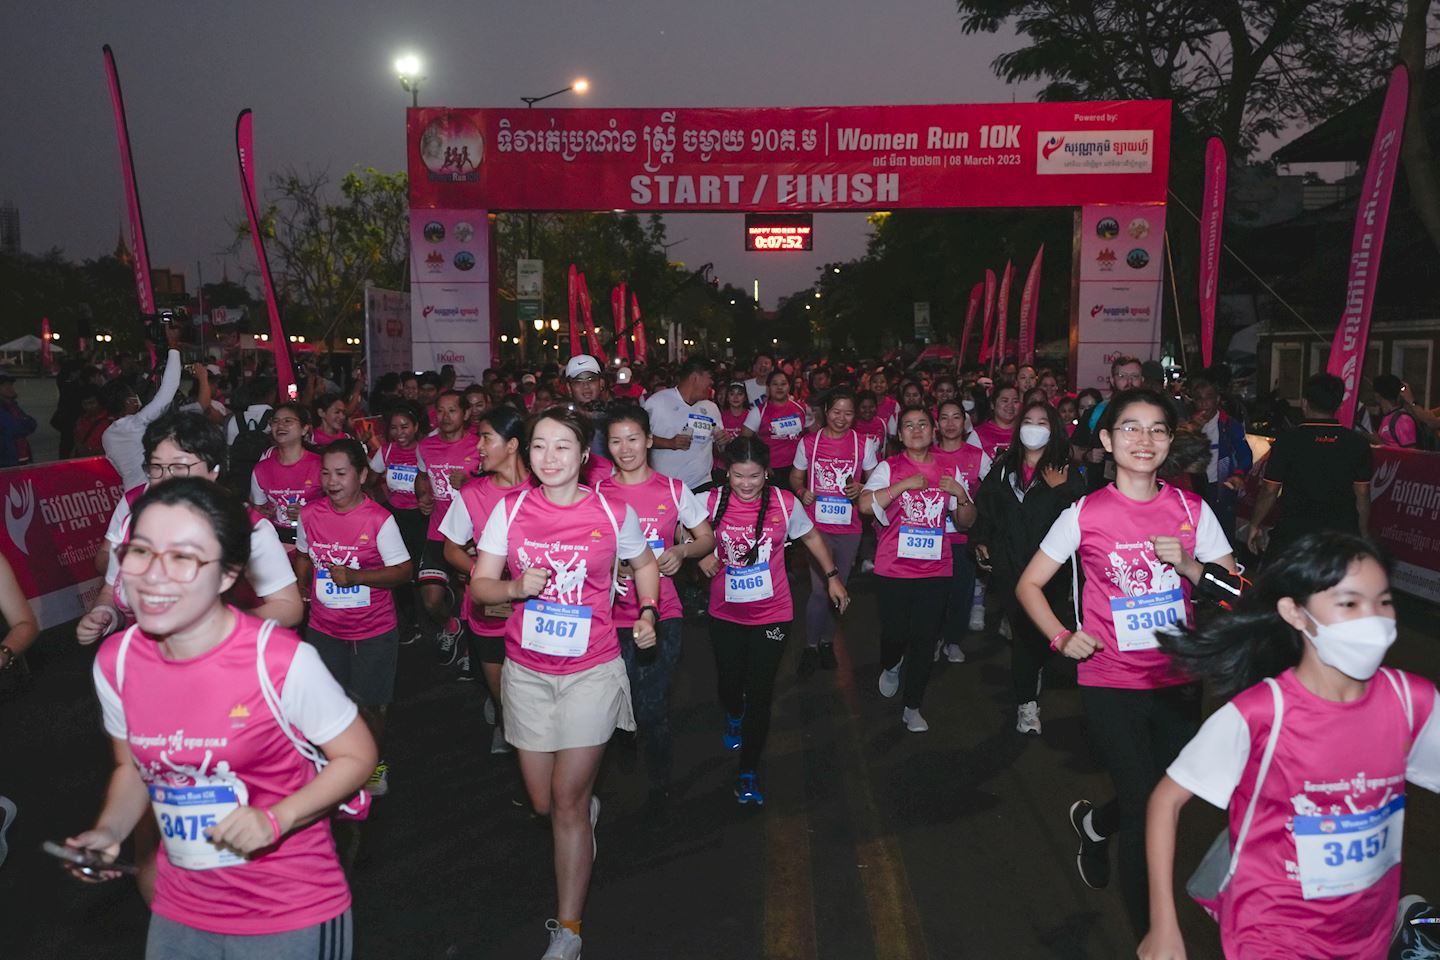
x=791, y=241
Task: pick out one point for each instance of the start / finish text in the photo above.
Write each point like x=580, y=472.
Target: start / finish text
x=779, y=190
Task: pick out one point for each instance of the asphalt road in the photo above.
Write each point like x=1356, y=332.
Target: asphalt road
x=874, y=842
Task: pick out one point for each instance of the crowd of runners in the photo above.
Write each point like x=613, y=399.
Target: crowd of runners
x=547, y=532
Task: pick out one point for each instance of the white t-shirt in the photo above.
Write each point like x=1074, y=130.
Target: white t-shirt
x=123, y=441
x=755, y=391
x=671, y=416
x=253, y=415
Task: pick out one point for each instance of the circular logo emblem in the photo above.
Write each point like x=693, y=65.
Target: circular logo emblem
x=464, y=260
x=1108, y=228
x=452, y=148
x=1137, y=259
x=1139, y=229
x=434, y=231
x=463, y=231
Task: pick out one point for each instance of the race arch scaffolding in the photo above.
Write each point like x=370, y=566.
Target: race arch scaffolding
x=1109, y=159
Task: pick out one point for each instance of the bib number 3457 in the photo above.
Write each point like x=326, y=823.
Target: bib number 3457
x=1343, y=854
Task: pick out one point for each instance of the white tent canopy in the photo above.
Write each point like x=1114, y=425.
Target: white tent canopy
x=27, y=344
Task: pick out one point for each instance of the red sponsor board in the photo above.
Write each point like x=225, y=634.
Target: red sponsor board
x=1404, y=512
x=55, y=518
x=779, y=158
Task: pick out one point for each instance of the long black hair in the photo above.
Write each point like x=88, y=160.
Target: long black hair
x=1057, y=451
x=747, y=450
x=1252, y=641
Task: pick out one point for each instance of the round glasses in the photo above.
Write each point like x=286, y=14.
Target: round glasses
x=136, y=558
x=158, y=471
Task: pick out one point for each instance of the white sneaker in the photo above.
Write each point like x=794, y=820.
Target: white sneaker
x=890, y=680
x=564, y=945
x=498, y=743
x=1027, y=718
x=953, y=653
x=594, y=818
x=913, y=721
x=977, y=612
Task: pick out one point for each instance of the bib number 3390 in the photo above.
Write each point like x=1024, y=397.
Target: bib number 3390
x=555, y=629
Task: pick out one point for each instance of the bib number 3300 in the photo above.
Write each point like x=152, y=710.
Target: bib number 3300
x=555, y=629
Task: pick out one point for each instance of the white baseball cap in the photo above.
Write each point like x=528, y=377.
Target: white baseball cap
x=580, y=365
x=622, y=375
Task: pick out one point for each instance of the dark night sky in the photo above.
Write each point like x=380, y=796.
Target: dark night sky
x=319, y=78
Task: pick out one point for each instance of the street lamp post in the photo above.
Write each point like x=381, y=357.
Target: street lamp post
x=579, y=86
x=408, y=68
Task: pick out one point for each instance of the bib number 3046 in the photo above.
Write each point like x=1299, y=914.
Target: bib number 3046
x=556, y=629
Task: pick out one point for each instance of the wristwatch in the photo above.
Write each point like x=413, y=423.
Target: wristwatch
x=653, y=609
x=832, y=573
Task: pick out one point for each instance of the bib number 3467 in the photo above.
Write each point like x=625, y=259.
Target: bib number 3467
x=556, y=629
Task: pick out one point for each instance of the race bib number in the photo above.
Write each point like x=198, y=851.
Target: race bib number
x=786, y=427
x=748, y=584
x=400, y=477
x=555, y=629
x=834, y=511
x=919, y=543
x=1137, y=618
x=184, y=814
x=336, y=597
x=700, y=427
x=1345, y=854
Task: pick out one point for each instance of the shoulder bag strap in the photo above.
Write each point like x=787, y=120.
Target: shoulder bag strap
x=120, y=658
x=615, y=567
x=1401, y=685
x=1279, y=700
x=1075, y=570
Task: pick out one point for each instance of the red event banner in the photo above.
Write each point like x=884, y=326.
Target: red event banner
x=1030, y=307
x=1347, y=351
x=976, y=293
x=998, y=357
x=1212, y=225
x=989, y=315
x=776, y=158
x=55, y=518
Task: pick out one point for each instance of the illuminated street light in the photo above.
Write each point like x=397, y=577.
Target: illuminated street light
x=555, y=323
x=578, y=85
x=774, y=340
x=817, y=294
x=539, y=324
x=504, y=338
x=661, y=341
x=407, y=68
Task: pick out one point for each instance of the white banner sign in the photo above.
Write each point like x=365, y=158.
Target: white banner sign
x=1118, y=286
x=387, y=332
x=450, y=291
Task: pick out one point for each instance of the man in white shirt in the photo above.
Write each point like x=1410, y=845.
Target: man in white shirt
x=123, y=441
x=683, y=421
x=756, y=388
x=261, y=396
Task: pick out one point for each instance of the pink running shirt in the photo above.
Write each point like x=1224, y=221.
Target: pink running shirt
x=662, y=505
x=970, y=465
x=905, y=524
x=399, y=467
x=829, y=465
x=282, y=485
x=438, y=457
x=734, y=540
x=462, y=527
x=779, y=426
x=994, y=439
x=365, y=538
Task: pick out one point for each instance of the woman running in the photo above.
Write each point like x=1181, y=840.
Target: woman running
x=447, y=460
x=350, y=555
x=778, y=422
x=830, y=468
x=664, y=507
x=1314, y=852
x=565, y=687
x=1141, y=545
x=1019, y=502
x=750, y=604
x=910, y=495
x=994, y=434
x=288, y=474
x=963, y=458
x=732, y=420
x=502, y=430
x=394, y=475
x=249, y=867
x=331, y=420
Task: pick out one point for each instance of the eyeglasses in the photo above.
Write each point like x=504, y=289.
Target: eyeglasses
x=135, y=559
x=284, y=421
x=1134, y=431
x=156, y=471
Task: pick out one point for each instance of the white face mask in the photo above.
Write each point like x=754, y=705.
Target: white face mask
x=968, y=405
x=1354, y=647
x=1034, y=435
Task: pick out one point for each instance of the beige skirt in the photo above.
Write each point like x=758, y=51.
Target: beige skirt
x=545, y=712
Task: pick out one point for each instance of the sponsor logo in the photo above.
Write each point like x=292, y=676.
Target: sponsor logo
x=1094, y=151
x=1137, y=259
x=435, y=261
x=1327, y=826
x=394, y=327
x=434, y=231
x=595, y=534
x=239, y=712
x=450, y=313
x=1138, y=229
x=463, y=231
x=1108, y=228
x=19, y=511
x=452, y=148
x=1121, y=313
x=1105, y=260
x=464, y=260
x=449, y=356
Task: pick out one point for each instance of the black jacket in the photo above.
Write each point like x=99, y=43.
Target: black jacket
x=1012, y=528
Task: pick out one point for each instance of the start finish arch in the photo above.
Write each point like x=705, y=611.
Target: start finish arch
x=467, y=163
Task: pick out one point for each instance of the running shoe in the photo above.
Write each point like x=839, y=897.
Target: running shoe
x=564, y=943
x=809, y=662
x=498, y=743
x=953, y=653
x=747, y=789
x=1093, y=858
x=977, y=612
x=447, y=642
x=1027, y=718
x=490, y=710
x=827, y=656
x=732, y=732
x=913, y=721
x=379, y=783
x=890, y=680
x=1417, y=930
x=409, y=635
x=7, y=817
x=463, y=665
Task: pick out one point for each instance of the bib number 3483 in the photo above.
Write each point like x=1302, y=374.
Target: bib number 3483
x=1343, y=854
x=184, y=814
x=555, y=629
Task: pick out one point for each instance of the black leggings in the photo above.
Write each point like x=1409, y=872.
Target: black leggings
x=747, y=658
x=910, y=628
x=1136, y=734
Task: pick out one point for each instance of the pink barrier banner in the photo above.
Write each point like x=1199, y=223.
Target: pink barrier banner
x=989, y=315
x=1030, y=307
x=245, y=150
x=573, y=295
x=1347, y=351
x=641, y=347
x=139, y=249
x=998, y=357
x=976, y=293
x=776, y=158
x=55, y=519
x=1212, y=227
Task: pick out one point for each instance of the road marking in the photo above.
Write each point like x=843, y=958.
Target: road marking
x=789, y=895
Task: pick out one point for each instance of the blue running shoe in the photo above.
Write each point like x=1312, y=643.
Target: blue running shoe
x=747, y=789
x=732, y=732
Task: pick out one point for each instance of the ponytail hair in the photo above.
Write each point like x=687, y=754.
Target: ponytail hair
x=1252, y=641
x=747, y=450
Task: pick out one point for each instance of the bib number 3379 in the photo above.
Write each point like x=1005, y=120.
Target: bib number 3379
x=556, y=629
x=920, y=543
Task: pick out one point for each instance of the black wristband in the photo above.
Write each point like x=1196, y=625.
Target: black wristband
x=652, y=609
x=832, y=574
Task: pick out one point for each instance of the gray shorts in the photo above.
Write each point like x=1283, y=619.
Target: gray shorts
x=331, y=940
x=365, y=669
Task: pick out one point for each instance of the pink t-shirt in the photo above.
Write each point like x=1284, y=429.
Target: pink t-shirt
x=906, y=547
x=872, y=430
x=830, y=464
x=364, y=538
x=322, y=439
x=220, y=733
x=1321, y=820
x=1398, y=430
x=779, y=426
x=464, y=526
x=730, y=422
x=1128, y=592
x=662, y=505
x=969, y=464
x=994, y=439
x=754, y=592
x=399, y=466
x=597, y=468
x=438, y=457
x=888, y=410
x=578, y=545
x=281, y=485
